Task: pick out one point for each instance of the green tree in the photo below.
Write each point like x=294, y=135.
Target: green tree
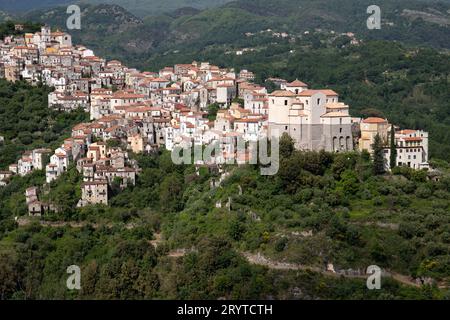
x=171, y=192
x=212, y=111
x=378, y=155
x=349, y=182
x=286, y=145
x=393, y=147
x=8, y=275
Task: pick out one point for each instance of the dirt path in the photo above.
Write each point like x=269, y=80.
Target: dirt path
x=55, y=224
x=261, y=260
x=24, y=221
x=157, y=240
x=177, y=253
x=391, y=226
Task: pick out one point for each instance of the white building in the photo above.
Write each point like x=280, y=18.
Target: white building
x=412, y=149
x=313, y=118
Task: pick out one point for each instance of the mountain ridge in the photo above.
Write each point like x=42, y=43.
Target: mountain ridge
x=140, y=8
x=408, y=21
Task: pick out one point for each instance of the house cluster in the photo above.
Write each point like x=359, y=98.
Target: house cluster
x=101, y=165
x=37, y=207
x=176, y=106
x=104, y=168
x=37, y=57
x=411, y=145
x=29, y=161
x=4, y=177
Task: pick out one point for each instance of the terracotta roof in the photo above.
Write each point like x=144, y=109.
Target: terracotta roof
x=139, y=109
x=407, y=131
x=327, y=92
x=128, y=96
x=94, y=183
x=282, y=93
x=159, y=80
x=338, y=105
x=374, y=120
x=334, y=114
x=297, y=83
x=412, y=139
x=253, y=120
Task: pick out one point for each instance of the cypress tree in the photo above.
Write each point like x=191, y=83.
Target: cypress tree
x=378, y=156
x=393, y=147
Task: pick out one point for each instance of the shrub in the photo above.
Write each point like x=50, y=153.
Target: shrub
x=281, y=244
x=423, y=192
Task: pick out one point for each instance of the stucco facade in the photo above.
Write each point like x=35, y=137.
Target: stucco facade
x=313, y=118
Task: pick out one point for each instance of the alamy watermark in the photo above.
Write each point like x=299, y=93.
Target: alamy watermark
x=74, y=280
x=374, y=21
x=233, y=150
x=74, y=20
x=374, y=280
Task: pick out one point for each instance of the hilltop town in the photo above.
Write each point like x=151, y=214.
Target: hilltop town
x=181, y=105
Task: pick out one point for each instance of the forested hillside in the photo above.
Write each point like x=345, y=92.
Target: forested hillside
x=4, y=16
x=26, y=122
x=166, y=238
x=174, y=236
x=414, y=22
x=7, y=28
x=141, y=8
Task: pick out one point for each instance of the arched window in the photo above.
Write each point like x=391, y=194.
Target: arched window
x=335, y=146
x=347, y=143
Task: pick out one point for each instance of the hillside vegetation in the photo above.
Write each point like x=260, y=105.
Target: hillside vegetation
x=411, y=21
x=166, y=238
x=173, y=236
x=138, y=7
x=26, y=122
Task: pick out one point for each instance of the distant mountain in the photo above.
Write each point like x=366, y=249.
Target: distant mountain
x=144, y=8
x=5, y=16
x=185, y=11
x=108, y=29
x=415, y=22
x=115, y=32
x=140, y=8
x=101, y=17
x=397, y=16
x=22, y=6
